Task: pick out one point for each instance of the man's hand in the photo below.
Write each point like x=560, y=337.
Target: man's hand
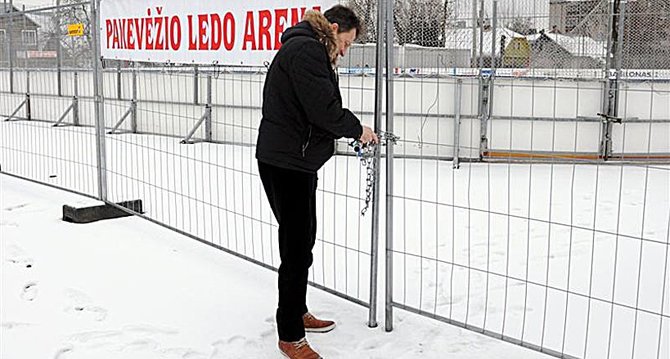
x=368, y=136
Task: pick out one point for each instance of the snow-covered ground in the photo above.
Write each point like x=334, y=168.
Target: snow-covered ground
x=570, y=257
x=127, y=288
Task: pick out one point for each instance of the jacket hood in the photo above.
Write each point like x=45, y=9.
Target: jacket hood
x=315, y=25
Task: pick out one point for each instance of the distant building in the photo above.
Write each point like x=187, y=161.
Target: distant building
x=561, y=51
x=461, y=41
x=30, y=39
x=18, y=34
x=566, y=15
x=408, y=56
x=517, y=53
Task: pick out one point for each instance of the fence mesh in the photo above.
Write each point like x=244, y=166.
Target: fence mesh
x=646, y=35
x=510, y=219
x=568, y=257
x=47, y=99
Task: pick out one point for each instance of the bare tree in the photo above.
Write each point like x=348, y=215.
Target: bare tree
x=78, y=49
x=367, y=12
x=421, y=22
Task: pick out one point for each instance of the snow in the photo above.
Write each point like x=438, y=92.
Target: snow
x=461, y=39
x=577, y=45
x=539, y=252
x=127, y=288
x=466, y=243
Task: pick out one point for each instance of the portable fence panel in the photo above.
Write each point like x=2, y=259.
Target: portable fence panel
x=206, y=187
x=556, y=257
x=192, y=162
x=645, y=130
x=541, y=119
x=570, y=256
x=643, y=102
x=46, y=131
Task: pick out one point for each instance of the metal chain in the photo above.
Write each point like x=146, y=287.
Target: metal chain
x=370, y=164
x=367, y=154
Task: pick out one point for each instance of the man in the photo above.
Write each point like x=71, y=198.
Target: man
x=302, y=116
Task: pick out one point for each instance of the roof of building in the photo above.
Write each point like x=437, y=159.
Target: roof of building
x=461, y=39
x=580, y=46
x=26, y=17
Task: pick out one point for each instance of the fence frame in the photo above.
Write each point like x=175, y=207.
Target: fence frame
x=384, y=79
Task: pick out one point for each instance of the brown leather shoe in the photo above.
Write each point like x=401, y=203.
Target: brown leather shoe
x=314, y=325
x=298, y=350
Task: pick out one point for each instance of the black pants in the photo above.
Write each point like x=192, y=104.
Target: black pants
x=292, y=196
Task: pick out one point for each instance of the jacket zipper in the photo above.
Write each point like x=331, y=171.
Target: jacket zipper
x=309, y=137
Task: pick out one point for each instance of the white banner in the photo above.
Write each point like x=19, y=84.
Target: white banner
x=201, y=32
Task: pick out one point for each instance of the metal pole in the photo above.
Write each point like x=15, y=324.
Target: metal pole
x=494, y=66
x=483, y=88
x=59, y=51
x=28, y=112
x=24, y=47
x=10, y=49
x=473, y=60
x=607, y=81
x=119, y=93
x=75, y=100
x=99, y=101
x=195, y=85
x=619, y=53
x=133, y=113
x=457, y=123
x=608, y=55
x=379, y=89
x=481, y=35
x=208, y=110
x=494, y=34
x=389, y=166
x=611, y=96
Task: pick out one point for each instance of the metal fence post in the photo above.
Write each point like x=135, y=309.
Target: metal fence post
x=133, y=101
x=59, y=50
x=208, y=110
x=10, y=49
x=99, y=101
x=484, y=84
x=494, y=43
x=491, y=80
x=119, y=93
x=389, y=166
x=473, y=60
x=379, y=89
x=611, y=95
x=457, y=123
x=28, y=107
x=24, y=26
x=75, y=101
x=196, y=96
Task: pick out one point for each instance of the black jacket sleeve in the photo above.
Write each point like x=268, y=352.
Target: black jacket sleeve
x=317, y=95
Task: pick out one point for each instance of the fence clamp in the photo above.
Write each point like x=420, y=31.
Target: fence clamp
x=365, y=151
x=388, y=136
x=609, y=119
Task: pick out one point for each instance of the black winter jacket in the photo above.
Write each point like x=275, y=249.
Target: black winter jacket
x=302, y=105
